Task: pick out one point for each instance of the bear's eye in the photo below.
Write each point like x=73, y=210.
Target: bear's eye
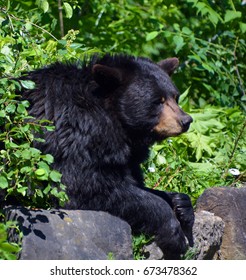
x=160, y=101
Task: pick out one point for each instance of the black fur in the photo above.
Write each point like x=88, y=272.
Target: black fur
x=104, y=114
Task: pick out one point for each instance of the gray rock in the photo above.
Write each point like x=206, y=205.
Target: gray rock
x=151, y=251
x=97, y=235
x=68, y=235
x=230, y=204
x=207, y=233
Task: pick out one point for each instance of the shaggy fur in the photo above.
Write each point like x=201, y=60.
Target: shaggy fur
x=106, y=114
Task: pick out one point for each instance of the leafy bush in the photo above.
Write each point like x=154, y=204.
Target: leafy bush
x=25, y=173
x=212, y=47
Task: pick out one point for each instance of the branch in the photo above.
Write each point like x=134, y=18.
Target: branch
x=34, y=24
x=234, y=149
x=236, y=68
x=61, y=18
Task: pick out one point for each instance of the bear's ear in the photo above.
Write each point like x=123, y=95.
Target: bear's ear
x=169, y=65
x=106, y=76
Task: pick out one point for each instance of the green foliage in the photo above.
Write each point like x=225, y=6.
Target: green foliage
x=25, y=172
x=8, y=250
x=212, y=46
x=138, y=243
x=191, y=253
x=26, y=175
x=209, y=38
x=110, y=256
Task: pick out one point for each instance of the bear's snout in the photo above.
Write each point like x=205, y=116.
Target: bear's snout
x=173, y=120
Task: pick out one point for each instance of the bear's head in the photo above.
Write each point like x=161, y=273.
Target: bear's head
x=142, y=95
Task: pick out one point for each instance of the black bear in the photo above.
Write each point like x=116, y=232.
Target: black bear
x=107, y=113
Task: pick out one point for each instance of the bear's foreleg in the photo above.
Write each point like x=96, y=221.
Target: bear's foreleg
x=181, y=204
x=149, y=214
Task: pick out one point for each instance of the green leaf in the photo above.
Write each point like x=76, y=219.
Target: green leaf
x=47, y=189
x=158, y=147
x=44, y=5
x=242, y=27
x=11, y=145
x=205, y=116
x=186, y=31
x=22, y=190
x=150, y=36
x=21, y=109
x=50, y=127
x=26, y=169
x=6, y=50
x=76, y=46
x=3, y=233
x=27, y=84
x=2, y=114
x=161, y=160
x=55, y=176
x=62, y=42
x=11, y=108
x=40, y=172
x=25, y=103
x=26, y=154
x=207, y=67
x=200, y=143
x=63, y=198
x=44, y=165
x=68, y=10
x=214, y=17
x=183, y=96
x=231, y=15
x=8, y=247
x=179, y=42
x=201, y=167
x=205, y=9
x=48, y=158
x=62, y=187
x=35, y=152
x=39, y=193
x=54, y=192
x=3, y=182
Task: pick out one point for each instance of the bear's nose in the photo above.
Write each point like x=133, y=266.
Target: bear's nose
x=186, y=121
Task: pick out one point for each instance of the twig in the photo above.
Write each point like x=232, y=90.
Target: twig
x=236, y=68
x=41, y=28
x=240, y=177
x=11, y=16
x=234, y=149
x=236, y=142
x=232, y=5
x=61, y=18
